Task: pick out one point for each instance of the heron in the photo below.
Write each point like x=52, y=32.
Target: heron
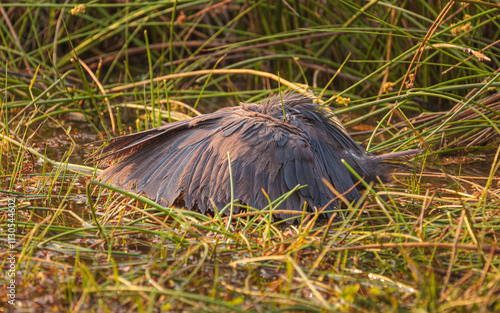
x=269, y=148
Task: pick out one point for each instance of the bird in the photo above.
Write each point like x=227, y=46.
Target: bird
x=263, y=150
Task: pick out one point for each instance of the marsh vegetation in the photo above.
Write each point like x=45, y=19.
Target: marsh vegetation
x=400, y=75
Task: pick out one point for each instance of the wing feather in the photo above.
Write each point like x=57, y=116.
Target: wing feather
x=189, y=158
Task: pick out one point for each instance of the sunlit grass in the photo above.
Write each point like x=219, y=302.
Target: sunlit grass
x=427, y=242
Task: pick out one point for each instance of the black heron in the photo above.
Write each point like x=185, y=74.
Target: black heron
x=189, y=159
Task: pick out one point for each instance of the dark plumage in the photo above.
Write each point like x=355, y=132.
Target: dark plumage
x=189, y=158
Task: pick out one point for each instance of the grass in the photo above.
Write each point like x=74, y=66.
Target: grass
x=399, y=74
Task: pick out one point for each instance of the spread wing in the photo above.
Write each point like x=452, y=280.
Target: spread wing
x=190, y=159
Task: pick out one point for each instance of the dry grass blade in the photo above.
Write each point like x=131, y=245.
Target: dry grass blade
x=425, y=242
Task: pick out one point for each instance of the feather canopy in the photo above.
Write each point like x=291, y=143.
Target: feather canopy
x=189, y=158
